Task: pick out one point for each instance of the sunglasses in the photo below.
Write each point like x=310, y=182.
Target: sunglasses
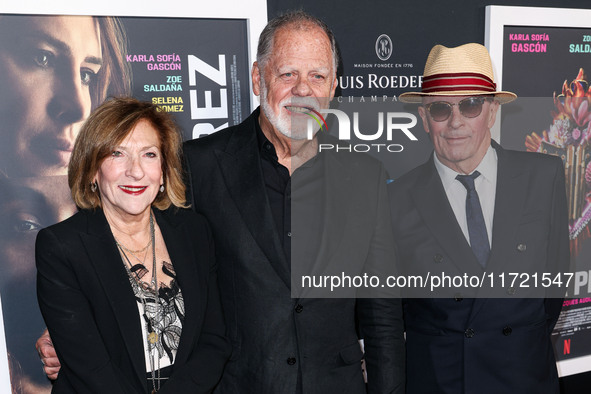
x=470, y=107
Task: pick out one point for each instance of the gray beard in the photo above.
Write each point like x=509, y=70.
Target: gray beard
x=277, y=123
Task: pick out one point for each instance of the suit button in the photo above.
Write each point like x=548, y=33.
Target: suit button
x=438, y=258
x=469, y=333
x=507, y=331
x=522, y=247
x=511, y=290
x=458, y=297
x=291, y=361
x=299, y=308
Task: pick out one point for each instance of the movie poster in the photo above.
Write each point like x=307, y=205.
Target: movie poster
x=549, y=68
x=196, y=69
x=54, y=70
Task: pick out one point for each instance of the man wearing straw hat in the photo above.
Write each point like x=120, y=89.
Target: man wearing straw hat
x=476, y=209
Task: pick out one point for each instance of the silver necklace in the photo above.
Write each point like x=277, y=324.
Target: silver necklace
x=145, y=248
x=139, y=270
x=152, y=337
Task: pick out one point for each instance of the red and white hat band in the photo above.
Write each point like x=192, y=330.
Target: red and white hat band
x=458, y=82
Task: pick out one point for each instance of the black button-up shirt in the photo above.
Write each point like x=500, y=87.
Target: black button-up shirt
x=305, y=186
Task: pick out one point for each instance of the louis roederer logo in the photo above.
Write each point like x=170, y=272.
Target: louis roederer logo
x=392, y=120
x=384, y=47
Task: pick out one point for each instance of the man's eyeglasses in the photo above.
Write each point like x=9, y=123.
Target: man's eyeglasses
x=470, y=107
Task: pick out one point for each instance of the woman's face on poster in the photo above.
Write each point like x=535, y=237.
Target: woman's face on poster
x=26, y=206
x=48, y=67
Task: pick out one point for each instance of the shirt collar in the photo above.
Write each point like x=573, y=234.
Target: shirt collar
x=487, y=168
x=267, y=149
x=261, y=137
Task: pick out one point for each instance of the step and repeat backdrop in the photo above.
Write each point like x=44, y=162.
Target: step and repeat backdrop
x=194, y=61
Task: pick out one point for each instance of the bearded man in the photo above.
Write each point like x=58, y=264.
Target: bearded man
x=240, y=178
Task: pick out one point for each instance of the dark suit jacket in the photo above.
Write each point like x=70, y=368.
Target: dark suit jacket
x=281, y=343
x=483, y=345
x=91, y=312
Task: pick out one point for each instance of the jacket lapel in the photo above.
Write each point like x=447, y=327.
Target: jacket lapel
x=436, y=212
x=509, y=199
x=191, y=283
x=241, y=168
x=336, y=188
x=105, y=258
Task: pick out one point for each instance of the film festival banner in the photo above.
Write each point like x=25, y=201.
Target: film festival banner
x=53, y=71
x=548, y=65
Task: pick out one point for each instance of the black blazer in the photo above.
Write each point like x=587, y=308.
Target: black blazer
x=484, y=345
x=279, y=342
x=91, y=313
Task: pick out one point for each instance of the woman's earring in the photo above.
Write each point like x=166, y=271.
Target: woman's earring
x=162, y=188
x=93, y=187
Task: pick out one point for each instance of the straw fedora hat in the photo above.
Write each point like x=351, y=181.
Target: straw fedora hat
x=461, y=71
